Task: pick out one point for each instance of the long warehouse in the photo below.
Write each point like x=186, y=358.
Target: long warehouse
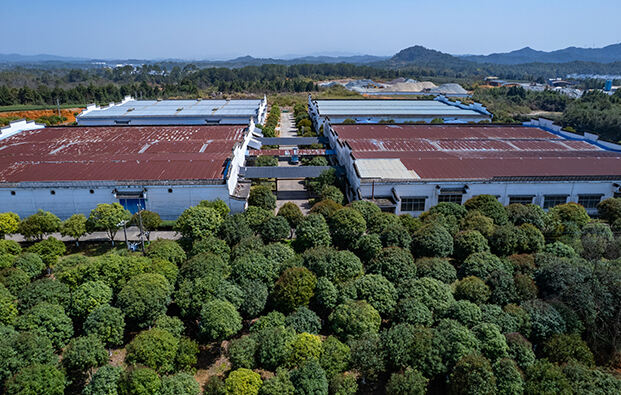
x=394, y=111
x=409, y=168
x=175, y=112
x=166, y=169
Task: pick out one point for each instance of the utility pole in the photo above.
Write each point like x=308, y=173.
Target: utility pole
x=58, y=106
x=141, y=228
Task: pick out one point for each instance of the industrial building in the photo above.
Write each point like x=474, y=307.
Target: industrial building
x=175, y=112
x=410, y=168
x=166, y=169
x=394, y=111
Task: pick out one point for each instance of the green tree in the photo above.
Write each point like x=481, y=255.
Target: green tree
x=368, y=355
x=83, y=354
x=394, y=263
x=275, y=229
x=154, y=348
x=473, y=289
x=234, y=229
x=292, y=213
x=109, y=218
x=453, y=341
x=140, y=381
x=218, y=205
x=407, y=345
x=526, y=214
x=181, y=383
x=472, y=375
x=9, y=224
x=335, y=357
x=30, y=263
x=266, y=160
x=546, y=378
x=545, y=319
x=304, y=320
x=44, y=290
x=243, y=382
x=148, y=220
x=310, y=379
x=432, y=241
x=37, y=379
x=74, y=227
x=378, y=291
x=520, y=350
x=437, y=268
x=168, y=250
x=508, y=377
x=565, y=348
x=303, y=348
x=492, y=343
x=326, y=208
x=105, y=381
x=49, y=250
x=354, y=318
x=218, y=320
x=468, y=242
x=144, y=298
x=608, y=210
x=365, y=208
x=294, y=288
x=435, y=295
x=344, y=384
x=8, y=310
x=280, y=384
x=38, y=225
x=198, y=222
x=88, y=296
x=274, y=345
x=410, y=382
x=262, y=196
x=347, y=226
x=107, y=323
x=331, y=192
x=48, y=320
x=14, y=279
x=242, y=352
x=489, y=206
x=313, y=231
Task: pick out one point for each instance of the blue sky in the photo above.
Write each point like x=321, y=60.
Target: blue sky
x=274, y=28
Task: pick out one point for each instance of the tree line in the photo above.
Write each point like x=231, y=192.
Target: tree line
x=478, y=298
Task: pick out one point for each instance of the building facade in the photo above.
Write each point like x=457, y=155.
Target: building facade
x=410, y=168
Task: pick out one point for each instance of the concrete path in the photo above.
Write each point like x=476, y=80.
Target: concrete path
x=290, y=190
x=133, y=234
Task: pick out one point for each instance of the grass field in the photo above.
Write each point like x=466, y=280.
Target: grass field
x=29, y=107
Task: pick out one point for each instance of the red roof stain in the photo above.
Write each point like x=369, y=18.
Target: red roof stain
x=118, y=153
x=479, y=152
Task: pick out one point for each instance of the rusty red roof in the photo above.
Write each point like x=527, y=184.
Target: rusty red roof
x=479, y=152
x=114, y=153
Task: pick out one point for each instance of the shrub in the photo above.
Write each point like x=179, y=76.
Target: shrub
x=139, y=381
x=545, y=319
x=292, y=213
x=413, y=312
x=393, y=263
x=436, y=268
x=294, y=288
x=262, y=196
x=310, y=379
x=14, y=279
x=482, y=264
x=144, y=298
x=432, y=241
x=472, y=375
x=198, y=222
x=489, y=206
x=242, y=352
x=47, y=320
x=154, y=348
x=410, y=382
x=465, y=312
x=49, y=250
x=330, y=192
x=347, y=226
x=335, y=357
x=275, y=229
x=243, y=382
x=219, y=320
x=468, y=242
x=180, y=384
x=304, y=320
x=107, y=323
x=562, y=349
x=168, y=250
x=378, y=291
x=30, y=263
x=473, y=289
x=436, y=296
x=365, y=208
x=303, y=348
x=354, y=318
x=313, y=231
x=37, y=379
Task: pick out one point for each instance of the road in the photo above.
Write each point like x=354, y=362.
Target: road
x=290, y=190
x=133, y=234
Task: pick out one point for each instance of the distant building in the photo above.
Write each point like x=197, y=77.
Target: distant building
x=166, y=169
x=410, y=168
x=394, y=111
x=175, y=112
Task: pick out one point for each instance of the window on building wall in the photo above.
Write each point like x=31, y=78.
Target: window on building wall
x=589, y=201
x=554, y=200
x=413, y=204
x=450, y=198
x=521, y=199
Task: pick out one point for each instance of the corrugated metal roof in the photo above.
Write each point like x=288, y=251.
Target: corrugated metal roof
x=177, y=108
x=118, y=153
x=478, y=152
x=390, y=107
x=384, y=168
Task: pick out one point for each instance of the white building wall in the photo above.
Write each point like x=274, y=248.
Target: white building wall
x=78, y=199
x=503, y=190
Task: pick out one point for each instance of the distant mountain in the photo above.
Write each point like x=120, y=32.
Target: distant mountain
x=17, y=58
x=608, y=54
x=423, y=57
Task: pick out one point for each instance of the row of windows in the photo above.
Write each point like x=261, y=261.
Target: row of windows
x=549, y=201
x=53, y=192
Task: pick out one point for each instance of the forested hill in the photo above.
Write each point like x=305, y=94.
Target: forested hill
x=608, y=54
